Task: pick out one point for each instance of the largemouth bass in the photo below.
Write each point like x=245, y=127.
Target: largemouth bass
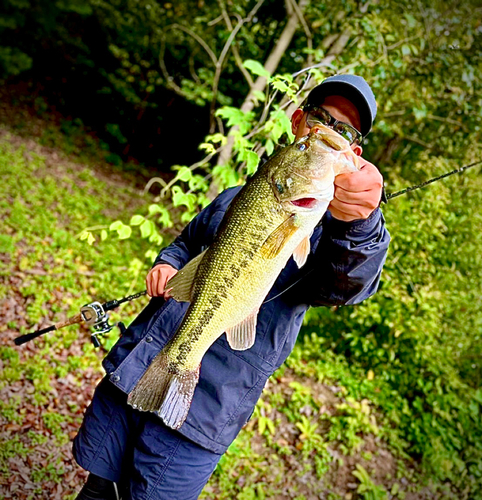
x=269, y=220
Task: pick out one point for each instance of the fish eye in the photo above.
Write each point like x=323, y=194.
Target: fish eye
x=302, y=146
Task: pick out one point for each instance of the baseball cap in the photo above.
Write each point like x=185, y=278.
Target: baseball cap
x=355, y=89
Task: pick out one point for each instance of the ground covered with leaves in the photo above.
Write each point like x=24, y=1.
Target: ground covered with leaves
x=325, y=428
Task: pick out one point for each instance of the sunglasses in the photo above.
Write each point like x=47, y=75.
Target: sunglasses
x=316, y=115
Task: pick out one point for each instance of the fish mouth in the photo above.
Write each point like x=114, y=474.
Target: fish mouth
x=307, y=202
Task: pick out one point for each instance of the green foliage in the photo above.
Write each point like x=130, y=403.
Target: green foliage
x=405, y=363
x=412, y=335
x=367, y=488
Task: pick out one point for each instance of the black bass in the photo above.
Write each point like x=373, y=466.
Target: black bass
x=270, y=220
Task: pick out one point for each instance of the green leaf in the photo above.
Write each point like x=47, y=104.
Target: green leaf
x=90, y=239
x=124, y=232
x=208, y=147
x=260, y=96
x=115, y=225
x=256, y=68
x=165, y=218
x=184, y=174
x=269, y=147
x=261, y=424
x=179, y=198
x=237, y=117
x=156, y=238
x=406, y=50
x=155, y=209
x=151, y=255
x=279, y=85
x=103, y=235
x=217, y=138
x=252, y=160
x=146, y=228
x=271, y=427
x=136, y=220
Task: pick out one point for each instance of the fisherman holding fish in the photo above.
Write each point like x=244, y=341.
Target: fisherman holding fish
x=231, y=291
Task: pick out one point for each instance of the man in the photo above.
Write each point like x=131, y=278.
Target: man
x=134, y=452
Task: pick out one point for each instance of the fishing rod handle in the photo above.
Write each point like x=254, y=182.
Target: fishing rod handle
x=71, y=321
x=30, y=336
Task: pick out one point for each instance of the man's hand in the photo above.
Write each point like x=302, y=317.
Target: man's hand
x=357, y=194
x=157, y=278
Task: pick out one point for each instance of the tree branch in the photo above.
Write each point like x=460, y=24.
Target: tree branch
x=271, y=64
x=309, y=37
x=237, y=57
x=220, y=61
x=169, y=79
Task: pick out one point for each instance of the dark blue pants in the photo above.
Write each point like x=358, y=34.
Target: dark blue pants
x=137, y=451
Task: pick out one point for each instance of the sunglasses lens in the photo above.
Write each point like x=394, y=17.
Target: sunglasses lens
x=347, y=132
x=317, y=116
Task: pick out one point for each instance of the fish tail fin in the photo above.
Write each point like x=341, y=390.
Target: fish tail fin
x=165, y=390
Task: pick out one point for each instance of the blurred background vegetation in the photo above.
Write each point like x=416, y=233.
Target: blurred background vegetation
x=103, y=98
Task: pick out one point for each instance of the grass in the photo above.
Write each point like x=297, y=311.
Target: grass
x=348, y=416
x=46, y=274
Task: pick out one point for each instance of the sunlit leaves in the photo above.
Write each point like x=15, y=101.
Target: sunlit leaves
x=136, y=220
x=123, y=231
x=236, y=117
x=256, y=68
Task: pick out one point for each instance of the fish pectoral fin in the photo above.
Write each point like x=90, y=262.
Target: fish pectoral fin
x=300, y=255
x=181, y=283
x=275, y=242
x=165, y=390
x=242, y=336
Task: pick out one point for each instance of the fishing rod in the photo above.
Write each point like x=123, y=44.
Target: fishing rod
x=426, y=183
x=384, y=199
x=93, y=314
x=96, y=315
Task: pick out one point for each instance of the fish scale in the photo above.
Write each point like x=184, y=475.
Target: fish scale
x=269, y=220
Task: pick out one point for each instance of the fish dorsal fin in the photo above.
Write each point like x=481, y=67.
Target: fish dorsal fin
x=300, y=255
x=181, y=282
x=242, y=336
x=275, y=242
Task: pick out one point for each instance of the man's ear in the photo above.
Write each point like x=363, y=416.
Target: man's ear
x=295, y=120
x=358, y=150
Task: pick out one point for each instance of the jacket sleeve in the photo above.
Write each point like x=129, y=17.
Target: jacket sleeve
x=198, y=234
x=347, y=262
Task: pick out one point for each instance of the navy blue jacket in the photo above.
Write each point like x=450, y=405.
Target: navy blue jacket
x=344, y=267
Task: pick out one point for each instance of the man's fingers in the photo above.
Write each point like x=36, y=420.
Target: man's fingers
x=161, y=283
x=157, y=279
x=337, y=214
x=365, y=179
x=149, y=283
x=348, y=211
x=362, y=198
